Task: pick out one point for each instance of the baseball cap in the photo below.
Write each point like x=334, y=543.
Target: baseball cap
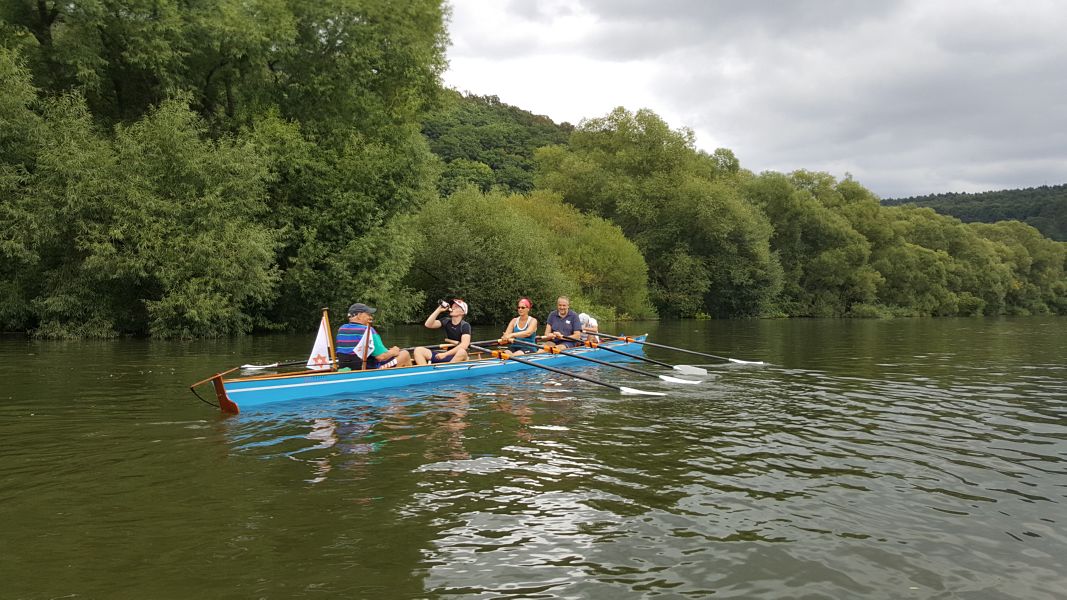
x=359, y=307
x=461, y=304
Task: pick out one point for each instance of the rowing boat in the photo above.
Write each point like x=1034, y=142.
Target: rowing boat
x=238, y=393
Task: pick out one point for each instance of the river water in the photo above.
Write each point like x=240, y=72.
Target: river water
x=919, y=458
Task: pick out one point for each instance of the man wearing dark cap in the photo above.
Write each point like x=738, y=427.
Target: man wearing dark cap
x=360, y=347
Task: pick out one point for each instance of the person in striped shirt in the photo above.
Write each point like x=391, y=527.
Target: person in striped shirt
x=359, y=346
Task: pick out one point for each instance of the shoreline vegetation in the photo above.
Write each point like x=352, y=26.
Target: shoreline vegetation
x=182, y=172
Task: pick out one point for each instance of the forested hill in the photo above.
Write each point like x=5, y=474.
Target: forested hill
x=487, y=142
x=180, y=169
x=1044, y=207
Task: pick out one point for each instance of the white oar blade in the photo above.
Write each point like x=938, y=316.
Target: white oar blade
x=678, y=380
x=636, y=392
x=746, y=362
x=690, y=370
x=254, y=367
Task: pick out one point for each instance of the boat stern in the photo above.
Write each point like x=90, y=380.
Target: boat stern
x=227, y=405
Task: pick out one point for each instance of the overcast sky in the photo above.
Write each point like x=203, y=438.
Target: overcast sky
x=910, y=97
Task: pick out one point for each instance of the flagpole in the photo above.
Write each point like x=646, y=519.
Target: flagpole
x=329, y=338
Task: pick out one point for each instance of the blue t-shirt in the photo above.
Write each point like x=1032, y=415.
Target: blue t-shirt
x=566, y=325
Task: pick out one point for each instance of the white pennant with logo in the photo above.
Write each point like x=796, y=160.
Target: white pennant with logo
x=320, y=352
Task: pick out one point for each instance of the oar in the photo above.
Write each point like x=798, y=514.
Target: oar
x=531, y=363
x=687, y=369
x=733, y=360
x=623, y=367
x=272, y=365
x=448, y=343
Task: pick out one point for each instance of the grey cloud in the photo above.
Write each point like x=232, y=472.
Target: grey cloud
x=910, y=97
x=632, y=29
x=943, y=103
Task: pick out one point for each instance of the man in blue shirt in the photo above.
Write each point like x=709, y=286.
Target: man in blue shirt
x=563, y=327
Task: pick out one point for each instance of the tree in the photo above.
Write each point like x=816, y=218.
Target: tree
x=683, y=208
x=462, y=173
x=481, y=129
x=324, y=97
x=19, y=142
x=1043, y=207
x=611, y=274
x=155, y=231
x=479, y=247
x=1038, y=284
x=824, y=259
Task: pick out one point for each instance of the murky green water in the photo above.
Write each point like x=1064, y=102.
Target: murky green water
x=876, y=459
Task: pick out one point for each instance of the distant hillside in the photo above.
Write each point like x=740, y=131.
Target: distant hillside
x=1043, y=207
x=488, y=143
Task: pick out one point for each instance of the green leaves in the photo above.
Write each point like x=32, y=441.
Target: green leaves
x=484, y=250
x=219, y=166
x=706, y=247
x=154, y=230
x=202, y=168
x=487, y=143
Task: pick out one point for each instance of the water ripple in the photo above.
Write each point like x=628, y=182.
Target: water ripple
x=856, y=486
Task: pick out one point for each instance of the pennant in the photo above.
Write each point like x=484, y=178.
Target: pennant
x=320, y=352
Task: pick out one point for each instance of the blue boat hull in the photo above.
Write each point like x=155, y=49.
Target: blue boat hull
x=266, y=389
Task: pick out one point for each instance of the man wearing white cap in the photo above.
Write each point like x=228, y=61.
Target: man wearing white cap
x=457, y=331
x=589, y=326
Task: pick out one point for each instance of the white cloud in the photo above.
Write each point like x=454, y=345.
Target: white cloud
x=911, y=97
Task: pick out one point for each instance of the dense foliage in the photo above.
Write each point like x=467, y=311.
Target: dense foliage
x=486, y=143
x=707, y=249
x=175, y=168
x=1044, y=207
x=720, y=240
x=492, y=249
x=291, y=128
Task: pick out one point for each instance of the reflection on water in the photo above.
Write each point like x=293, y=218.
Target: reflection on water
x=904, y=459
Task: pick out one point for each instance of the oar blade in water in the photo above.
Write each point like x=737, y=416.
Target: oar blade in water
x=670, y=379
x=690, y=370
x=738, y=361
x=254, y=367
x=636, y=392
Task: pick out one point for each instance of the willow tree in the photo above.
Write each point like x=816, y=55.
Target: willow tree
x=707, y=248
x=481, y=248
x=611, y=274
x=824, y=259
x=1037, y=267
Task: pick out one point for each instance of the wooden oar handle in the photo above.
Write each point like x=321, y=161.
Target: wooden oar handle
x=546, y=347
x=536, y=364
x=207, y=379
x=449, y=343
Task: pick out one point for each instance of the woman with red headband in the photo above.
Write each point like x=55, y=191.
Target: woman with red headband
x=522, y=328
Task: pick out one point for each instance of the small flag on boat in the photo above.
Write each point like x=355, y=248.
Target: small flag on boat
x=320, y=352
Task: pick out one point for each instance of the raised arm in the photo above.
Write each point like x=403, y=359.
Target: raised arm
x=433, y=322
